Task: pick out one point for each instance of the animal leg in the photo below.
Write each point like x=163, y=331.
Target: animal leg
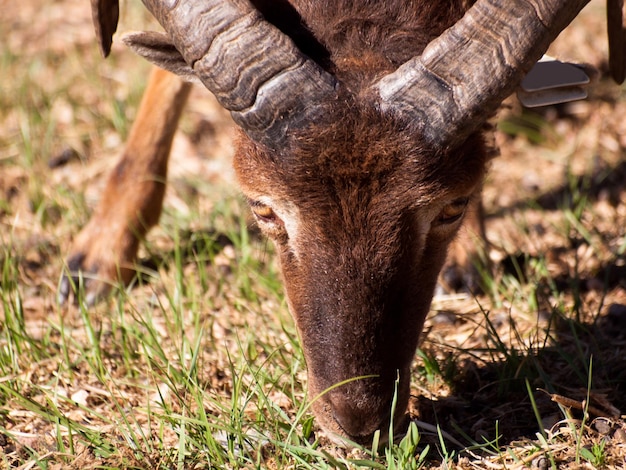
x=105, y=250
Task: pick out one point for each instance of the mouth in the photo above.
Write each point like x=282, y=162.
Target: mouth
x=363, y=413
x=380, y=437
x=364, y=436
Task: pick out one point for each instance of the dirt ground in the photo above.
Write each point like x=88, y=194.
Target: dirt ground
x=556, y=217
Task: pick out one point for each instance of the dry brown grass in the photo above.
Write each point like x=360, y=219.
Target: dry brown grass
x=204, y=349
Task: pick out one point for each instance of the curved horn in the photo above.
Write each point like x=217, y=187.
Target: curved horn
x=254, y=70
x=462, y=76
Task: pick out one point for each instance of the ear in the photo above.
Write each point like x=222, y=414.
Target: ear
x=105, y=14
x=158, y=49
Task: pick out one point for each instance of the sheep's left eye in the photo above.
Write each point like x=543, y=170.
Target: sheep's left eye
x=453, y=211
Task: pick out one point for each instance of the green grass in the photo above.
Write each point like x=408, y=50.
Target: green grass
x=161, y=384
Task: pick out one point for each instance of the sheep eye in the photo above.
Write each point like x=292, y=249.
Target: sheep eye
x=453, y=211
x=264, y=213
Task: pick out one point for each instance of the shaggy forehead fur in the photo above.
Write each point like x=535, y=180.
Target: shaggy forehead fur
x=358, y=155
x=357, y=40
x=357, y=151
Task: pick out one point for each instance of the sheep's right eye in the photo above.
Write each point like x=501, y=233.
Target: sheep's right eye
x=265, y=215
x=263, y=212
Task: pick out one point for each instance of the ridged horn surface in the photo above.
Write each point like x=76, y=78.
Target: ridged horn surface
x=462, y=76
x=253, y=69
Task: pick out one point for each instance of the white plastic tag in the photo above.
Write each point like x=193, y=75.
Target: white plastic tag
x=551, y=81
x=553, y=96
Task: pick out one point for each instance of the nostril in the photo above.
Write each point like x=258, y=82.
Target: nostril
x=359, y=422
x=347, y=421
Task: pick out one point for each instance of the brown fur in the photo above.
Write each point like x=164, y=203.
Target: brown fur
x=370, y=201
x=358, y=278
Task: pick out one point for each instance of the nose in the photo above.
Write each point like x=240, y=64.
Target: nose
x=360, y=418
x=358, y=409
